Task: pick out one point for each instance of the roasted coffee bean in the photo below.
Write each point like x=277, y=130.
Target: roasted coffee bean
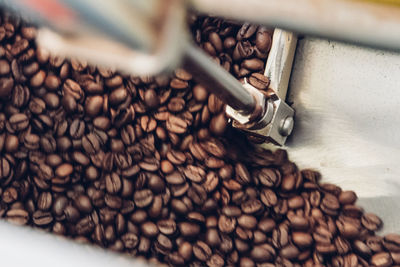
x=143, y=198
x=167, y=227
x=83, y=203
x=17, y=216
x=44, y=201
x=259, y=81
x=42, y=218
x=382, y=259
x=201, y=251
x=90, y=143
x=371, y=221
x=176, y=124
x=19, y=122
x=6, y=86
x=392, y=242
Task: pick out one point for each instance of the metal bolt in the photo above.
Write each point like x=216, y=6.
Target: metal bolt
x=286, y=126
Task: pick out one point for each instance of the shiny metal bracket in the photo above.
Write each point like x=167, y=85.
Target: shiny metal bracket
x=276, y=121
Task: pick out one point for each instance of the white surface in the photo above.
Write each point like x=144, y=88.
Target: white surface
x=23, y=247
x=347, y=120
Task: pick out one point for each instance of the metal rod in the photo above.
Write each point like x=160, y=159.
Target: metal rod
x=217, y=80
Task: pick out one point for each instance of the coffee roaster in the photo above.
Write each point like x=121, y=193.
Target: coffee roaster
x=155, y=40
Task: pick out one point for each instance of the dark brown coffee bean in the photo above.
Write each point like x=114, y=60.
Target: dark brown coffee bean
x=19, y=122
x=251, y=206
x=42, y=218
x=392, y=242
x=200, y=93
x=149, y=229
x=246, y=31
x=259, y=81
x=302, y=239
x=10, y=195
x=382, y=259
x=113, y=183
x=262, y=253
x=17, y=216
x=93, y=105
x=11, y=143
x=188, y=229
x=176, y=125
x=83, y=203
x=289, y=252
x=6, y=86
x=226, y=224
x=130, y=240
x=143, y=198
x=71, y=214
x=176, y=104
x=167, y=227
x=253, y=64
x=151, y=98
x=4, y=67
x=90, y=143
x=247, y=221
x=44, y=201
x=263, y=39
x=371, y=221
x=202, y=251
x=38, y=79
x=64, y=170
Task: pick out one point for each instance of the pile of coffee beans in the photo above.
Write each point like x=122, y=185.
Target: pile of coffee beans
x=148, y=166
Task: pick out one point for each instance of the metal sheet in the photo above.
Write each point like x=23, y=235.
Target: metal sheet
x=347, y=125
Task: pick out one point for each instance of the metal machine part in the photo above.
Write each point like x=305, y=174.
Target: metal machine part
x=276, y=120
x=163, y=45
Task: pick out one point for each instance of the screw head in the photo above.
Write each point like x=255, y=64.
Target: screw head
x=286, y=126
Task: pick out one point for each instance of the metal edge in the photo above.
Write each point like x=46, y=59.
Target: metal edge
x=280, y=61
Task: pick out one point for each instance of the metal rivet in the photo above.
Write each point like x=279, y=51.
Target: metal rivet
x=286, y=126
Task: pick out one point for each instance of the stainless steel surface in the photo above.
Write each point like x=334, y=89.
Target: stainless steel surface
x=280, y=61
x=354, y=21
x=347, y=101
x=217, y=80
x=272, y=132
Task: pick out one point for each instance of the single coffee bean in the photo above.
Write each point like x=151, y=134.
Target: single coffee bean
x=392, y=242
x=382, y=259
x=17, y=216
x=143, y=198
x=64, y=170
x=371, y=221
x=202, y=251
x=42, y=218
x=263, y=39
x=93, y=105
x=19, y=122
x=188, y=229
x=246, y=31
x=83, y=203
x=90, y=143
x=44, y=201
x=113, y=183
x=176, y=124
x=259, y=81
x=302, y=239
x=167, y=227
x=6, y=86
x=200, y=93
